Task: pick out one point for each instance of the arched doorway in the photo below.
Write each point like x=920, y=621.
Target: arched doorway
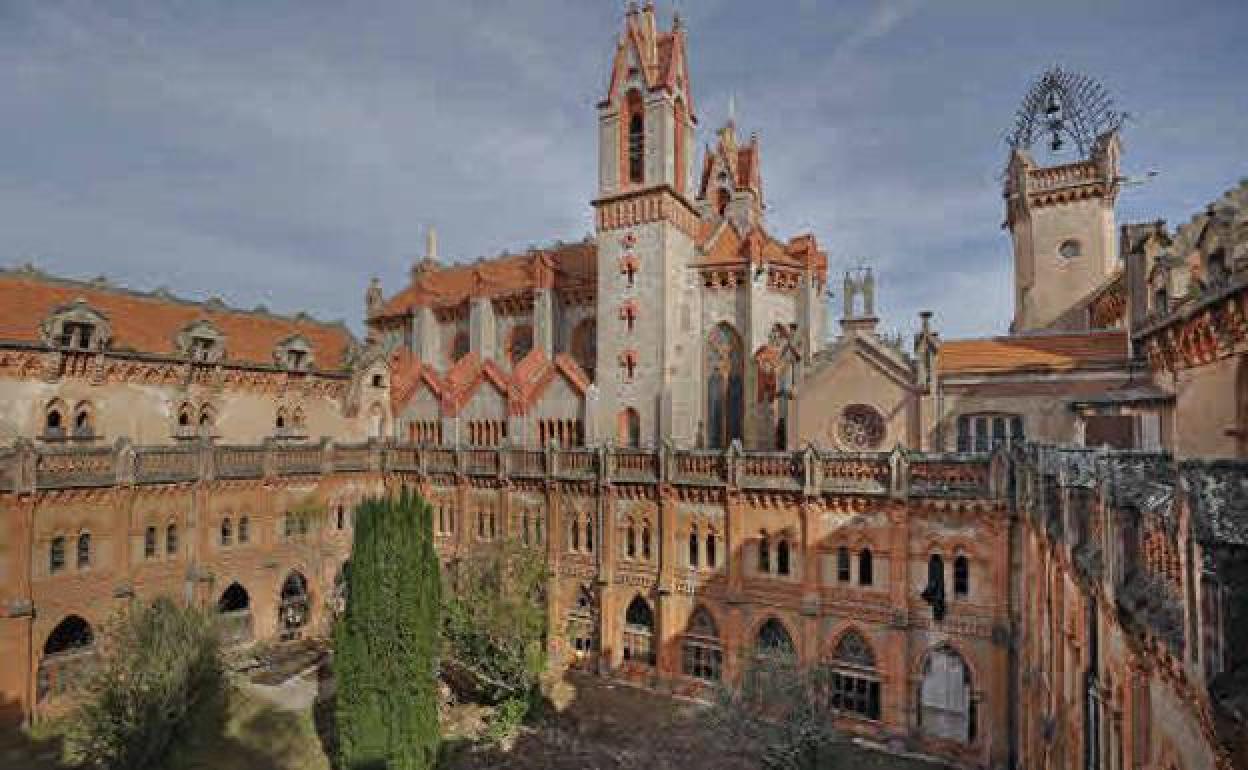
x=639, y=632
x=67, y=656
x=725, y=367
x=582, y=628
x=946, y=708
x=234, y=607
x=294, y=610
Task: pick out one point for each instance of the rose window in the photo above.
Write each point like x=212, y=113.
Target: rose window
x=861, y=427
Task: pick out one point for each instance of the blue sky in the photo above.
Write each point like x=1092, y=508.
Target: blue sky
x=284, y=152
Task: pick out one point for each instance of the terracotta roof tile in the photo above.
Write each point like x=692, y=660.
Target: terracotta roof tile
x=1049, y=352
x=150, y=324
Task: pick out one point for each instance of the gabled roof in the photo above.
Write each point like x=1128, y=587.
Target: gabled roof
x=723, y=246
x=661, y=56
x=150, y=322
x=1039, y=352
x=562, y=266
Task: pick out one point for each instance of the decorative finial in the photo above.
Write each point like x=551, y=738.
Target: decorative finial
x=431, y=243
x=732, y=108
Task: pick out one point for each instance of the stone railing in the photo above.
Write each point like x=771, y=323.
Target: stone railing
x=27, y=466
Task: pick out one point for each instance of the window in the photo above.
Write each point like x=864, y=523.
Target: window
x=82, y=422
x=639, y=632
x=149, y=543
x=630, y=542
x=853, y=683
x=460, y=346
x=782, y=557
x=1069, y=249
x=589, y=535
x=56, y=555
x=864, y=567
x=341, y=515
x=764, y=554
x=84, y=550
x=629, y=428
x=53, y=422
x=722, y=198
x=582, y=625
x=227, y=531
x=171, y=539
x=584, y=346
x=842, y=564
x=693, y=549
x=244, y=534
x=774, y=643
x=1161, y=300
x=519, y=343
x=961, y=577
x=77, y=335
x=725, y=394
x=636, y=139
x=945, y=706
x=934, y=592
x=66, y=658
x=377, y=381
x=575, y=538
x=986, y=432
x=702, y=652
x=710, y=551
x=861, y=428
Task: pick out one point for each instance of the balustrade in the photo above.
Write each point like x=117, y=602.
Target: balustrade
x=635, y=464
x=239, y=462
x=166, y=464
x=351, y=457
x=577, y=462
x=855, y=472
x=782, y=470
x=295, y=460
x=526, y=462
x=481, y=462
x=947, y=476
x=440, y=460
x=701, y=467
x=75, y=467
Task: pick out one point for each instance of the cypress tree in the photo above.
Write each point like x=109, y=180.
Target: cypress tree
x=386, y=644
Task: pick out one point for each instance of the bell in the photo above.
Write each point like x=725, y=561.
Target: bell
x=1053, y=107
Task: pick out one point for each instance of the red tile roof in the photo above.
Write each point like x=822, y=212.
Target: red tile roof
x=1047, y=352
x=150, y=323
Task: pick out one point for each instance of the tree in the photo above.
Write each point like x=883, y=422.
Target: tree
x=160, y=679
x=780, y=712
x=386, y=644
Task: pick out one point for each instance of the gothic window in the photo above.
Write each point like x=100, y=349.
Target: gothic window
x=774, y=643
x=54, y=421
x=865, y=576
x=84, y=550
x=294, y=607
x=227, y=531
x=574, y=538
x=946, y=709
x=639, y=632
x=234, y=605
x=171, y=539
x=294, y=353
x=861, y=428
x=244, y=530
x=986, y=432
x=1241, y=406
x=636, y=139
x=934, y=591
x=961, y=576
x=764, y=555
x=693, y=549
x=645, y=542
x=582, y=625
x=56, y=555
x=66, y=657
x=722, y=199
x=852, y=680
x=589, y=535
x=710, y=551
x=341, y=514
x=584, y=346
x=842, y=564
x=782, y=557
x=83, y=422
x=149, y=543
x=702, y=652
x=630, y=541
x=207, y=420
x=724, y=384
x=519, y=343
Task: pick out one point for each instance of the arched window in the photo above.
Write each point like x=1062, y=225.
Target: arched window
x=149, y=543
x=629, y=428
x=519, y=343
x=280, y=422
x=294, y=607
x=764, y=554
x=710, y=551
x=66, y=659
x=207, y=420
x=946, y=709
x=244, y=530
x=842, y=564
x=56, y=555
x=864, y=567
x=234, y=605
x=341, y=516
x=83, y=424
x=782, y=557
x=961, y=576
x=639, y=632
x=584, y=345
x=630, y=540
x=84, y=550
x=54, y=421
x=583, y=625
x=460, y=345
x=724, y=388
x=693, y=549
x=589, y=535
x=702, y=651
x=575, y=538
x=645, y=542
x=852, y=679
x=376, y=422
x=774, y=643
x=722, y=199
x=171, y=539
x=636, y=138
x=934, y=592
x=227, y=531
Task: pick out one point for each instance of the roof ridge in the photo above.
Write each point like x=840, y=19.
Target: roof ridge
x=160, y=294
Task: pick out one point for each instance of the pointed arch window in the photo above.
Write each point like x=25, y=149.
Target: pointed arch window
x=639, y=632
x=582, y=625
x=774, y=643
x=961, y=576
x=636, y=138
x=693, y=550
x=865, y=576
x=645, y=542
x=853, y=682
x=149, y=543
x=227, y=531
x=702, y=652
x=84, y=550
x=764, y=554
x=842, y=564
x=711, y=556
x=946, y=708
x=782, y=558
x=56, y=555
x=171, y=539
x=630, y=541
x=724, y=386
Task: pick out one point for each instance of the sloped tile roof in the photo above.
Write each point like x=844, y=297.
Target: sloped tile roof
x=1047, y=352
x=150, y=323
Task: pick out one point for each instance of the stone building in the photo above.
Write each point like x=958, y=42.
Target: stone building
x=1015, y=551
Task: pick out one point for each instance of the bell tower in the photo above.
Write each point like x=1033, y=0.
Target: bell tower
x=646, y=228
x=1061, y=216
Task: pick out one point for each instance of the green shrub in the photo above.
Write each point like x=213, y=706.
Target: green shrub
x=158, y=682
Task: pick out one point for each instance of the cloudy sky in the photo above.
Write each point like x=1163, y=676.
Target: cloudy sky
x=284, y=152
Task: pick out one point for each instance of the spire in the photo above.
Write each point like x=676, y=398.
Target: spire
x=431, y=243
